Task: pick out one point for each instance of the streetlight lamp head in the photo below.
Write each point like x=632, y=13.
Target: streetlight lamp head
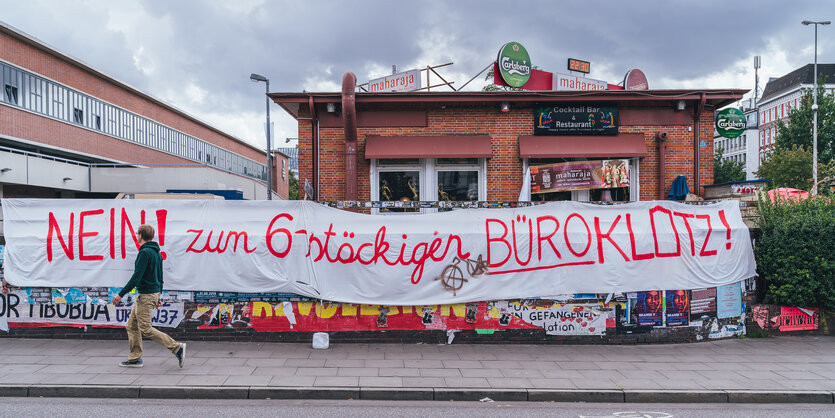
x=257, y=77
x=807, y=22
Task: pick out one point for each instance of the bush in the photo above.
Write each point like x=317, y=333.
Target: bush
x=796, y=252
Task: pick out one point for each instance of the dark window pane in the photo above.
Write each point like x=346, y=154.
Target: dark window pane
x=457, y=185
x=618, y=194
x=398, y=161
x=551, y=197
x=460, y=161
x=11, y=94
x=399, y=185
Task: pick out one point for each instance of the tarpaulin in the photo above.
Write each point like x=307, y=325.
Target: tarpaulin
x=450, y=257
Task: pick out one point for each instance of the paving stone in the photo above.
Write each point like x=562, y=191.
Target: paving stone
x=293, y=362
x=481, y=373
x=440, y=373
x=292, y=381
x=352, y=381
x=375, y=381
x=466, y=382
x=311, y=371
x=552, y=383
x=247, y=381
x=398, y=372
x=423, y=382
x=344, y=363
x=274, y=371
x=357, y=371
x=509, y=382
x=421, y=364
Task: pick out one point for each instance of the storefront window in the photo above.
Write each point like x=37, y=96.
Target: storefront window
x=457, y=185
x=403, y=186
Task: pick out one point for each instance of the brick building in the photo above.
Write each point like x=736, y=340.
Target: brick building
x=69, y=130
x=477, y=145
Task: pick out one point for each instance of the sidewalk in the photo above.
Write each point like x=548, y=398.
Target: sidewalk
x=780, y=369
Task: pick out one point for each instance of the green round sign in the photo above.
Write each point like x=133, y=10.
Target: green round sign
x=514, y=64
x=731, y=122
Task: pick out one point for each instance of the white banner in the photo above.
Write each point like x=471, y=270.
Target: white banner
x=316, y=251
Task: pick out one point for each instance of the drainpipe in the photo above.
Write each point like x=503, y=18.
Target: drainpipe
x=661, y=140
x=314, y=129
x=349, y=122
x=697, y=145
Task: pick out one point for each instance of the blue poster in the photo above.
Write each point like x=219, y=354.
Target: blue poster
x=729, y=301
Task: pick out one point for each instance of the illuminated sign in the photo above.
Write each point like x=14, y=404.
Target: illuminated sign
x=579, y=66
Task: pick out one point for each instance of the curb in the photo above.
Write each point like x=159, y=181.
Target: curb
x=418, y=394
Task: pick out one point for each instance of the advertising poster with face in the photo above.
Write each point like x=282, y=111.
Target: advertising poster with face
x=678, y=307
x=650, y=309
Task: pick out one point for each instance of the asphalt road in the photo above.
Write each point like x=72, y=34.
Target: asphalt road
x=66, y=407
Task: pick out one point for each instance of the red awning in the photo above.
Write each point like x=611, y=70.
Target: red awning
x=624, y=145
x=452, y=146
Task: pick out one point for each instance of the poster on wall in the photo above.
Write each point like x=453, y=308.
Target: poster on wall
x=649, y=309
x=703, y=302
x=729, y=301
x=564, y=320
x=18, y=311
x=677, y=309
x=579, y=175
x=576, y=119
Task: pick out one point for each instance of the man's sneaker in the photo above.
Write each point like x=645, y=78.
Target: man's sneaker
x=131, y=363
x=181, y=355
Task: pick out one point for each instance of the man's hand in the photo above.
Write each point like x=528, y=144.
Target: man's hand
x=117, y=299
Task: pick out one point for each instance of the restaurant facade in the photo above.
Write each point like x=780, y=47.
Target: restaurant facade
x=478, y=146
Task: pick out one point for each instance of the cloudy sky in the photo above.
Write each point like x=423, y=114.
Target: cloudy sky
x=197, y=54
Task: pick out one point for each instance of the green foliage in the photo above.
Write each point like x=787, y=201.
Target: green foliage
x=788, y=167
x=798, y=132
x=795, y=252
x=294, y=186
x=725, y=171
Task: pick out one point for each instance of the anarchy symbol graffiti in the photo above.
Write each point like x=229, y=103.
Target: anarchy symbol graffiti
x=452, y=276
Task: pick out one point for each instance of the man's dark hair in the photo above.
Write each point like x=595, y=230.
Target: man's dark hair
x=146, y=232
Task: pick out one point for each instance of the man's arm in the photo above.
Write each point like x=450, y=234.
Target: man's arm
x=140, y=266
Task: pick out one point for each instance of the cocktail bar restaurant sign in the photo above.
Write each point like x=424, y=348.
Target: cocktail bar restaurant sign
x=576, y=119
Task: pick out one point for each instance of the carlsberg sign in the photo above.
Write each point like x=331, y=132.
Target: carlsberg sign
x=730, y=122
x=514, y=64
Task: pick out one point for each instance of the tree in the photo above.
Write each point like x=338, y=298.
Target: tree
x=798, y=131
x=725, y=171
x=788, y=167
x=294, y=186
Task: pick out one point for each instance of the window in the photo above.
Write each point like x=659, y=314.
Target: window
x=97, y=121
x=11, y=94
x=77, y=115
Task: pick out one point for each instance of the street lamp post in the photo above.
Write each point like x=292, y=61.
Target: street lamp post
x=256, y=78
x=815, y=108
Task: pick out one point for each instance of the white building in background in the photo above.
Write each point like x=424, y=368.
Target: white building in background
x=784, y=94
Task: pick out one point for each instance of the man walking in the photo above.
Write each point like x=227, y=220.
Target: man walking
x=147, y=279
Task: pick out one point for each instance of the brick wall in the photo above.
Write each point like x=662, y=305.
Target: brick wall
x=504, y=169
